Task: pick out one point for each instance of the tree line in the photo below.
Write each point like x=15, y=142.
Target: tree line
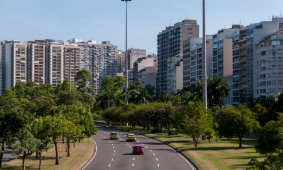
x=33, y=118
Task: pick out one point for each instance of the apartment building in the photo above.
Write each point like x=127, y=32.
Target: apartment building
x=121, y=61
x=54, y=69
x=142, y=63
x=187, y=44
x=107, y=60
x=147, y=76
x=15, y=63
x=196, y=60
x=36, y=61
x=2, y=68
x=269, y=67
x=133, y=55
x=245, y=58
x=174, y=74
x=169, y=44
x=71, y=62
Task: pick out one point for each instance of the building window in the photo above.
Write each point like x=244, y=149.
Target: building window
x=279, y=51
x=279, y=82
x=273, y=82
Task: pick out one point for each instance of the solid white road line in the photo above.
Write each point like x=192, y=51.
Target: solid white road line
x=93, y=155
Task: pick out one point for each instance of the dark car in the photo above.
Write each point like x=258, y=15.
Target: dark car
x=138, y=149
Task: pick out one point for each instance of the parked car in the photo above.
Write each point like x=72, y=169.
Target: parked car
x=131, y=137
x=114, y=135
x=138, y=149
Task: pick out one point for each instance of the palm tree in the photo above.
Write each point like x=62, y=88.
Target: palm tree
x=218, y=89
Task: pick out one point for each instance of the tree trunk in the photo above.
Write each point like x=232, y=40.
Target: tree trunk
x=56, y=152
x=240, y=141
x=1, y=154
x=40, y=158
x=196, y=144
x=68, y=147
x=23, y=161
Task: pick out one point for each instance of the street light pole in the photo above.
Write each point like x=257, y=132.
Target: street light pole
x=204, y=77
x=126, y=55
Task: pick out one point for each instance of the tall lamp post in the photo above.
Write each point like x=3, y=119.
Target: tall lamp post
x=126, y=56
x=204, y=77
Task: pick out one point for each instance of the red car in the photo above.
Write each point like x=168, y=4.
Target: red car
x=138, y=149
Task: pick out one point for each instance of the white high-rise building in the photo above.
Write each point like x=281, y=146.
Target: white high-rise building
x=15, y=63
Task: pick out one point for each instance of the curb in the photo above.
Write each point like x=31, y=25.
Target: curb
x=180, y=153
x=90, y=157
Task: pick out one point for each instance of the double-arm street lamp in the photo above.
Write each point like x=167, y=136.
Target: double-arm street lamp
x=126, y=55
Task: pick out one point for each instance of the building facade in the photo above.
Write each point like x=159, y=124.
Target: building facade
x=245, y=58
x=169, y=44
x=269, y=67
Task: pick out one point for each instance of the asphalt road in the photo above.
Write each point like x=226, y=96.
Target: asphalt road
x=117, y=154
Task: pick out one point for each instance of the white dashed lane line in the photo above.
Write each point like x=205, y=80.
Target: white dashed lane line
x=156, y=159
x=109, y=165
x=114, y=154
x=112, y=160
x=153, y=153
x=133, y=165
x=150, y=150
x=133, y=159
x=158, y=165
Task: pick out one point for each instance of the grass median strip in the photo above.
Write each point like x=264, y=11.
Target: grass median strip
x=221, y=154
x=79, y=154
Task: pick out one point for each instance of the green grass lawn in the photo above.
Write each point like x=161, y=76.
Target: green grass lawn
x=79, y=154
x=222, y=154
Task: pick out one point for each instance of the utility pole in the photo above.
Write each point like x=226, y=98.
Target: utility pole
x=126, y=55
x=204, y=74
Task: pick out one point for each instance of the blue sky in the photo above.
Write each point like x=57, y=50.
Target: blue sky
x=104, y=20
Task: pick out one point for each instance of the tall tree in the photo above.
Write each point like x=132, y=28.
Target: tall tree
x=196, y=120
x=237, y=121
x=83, y=77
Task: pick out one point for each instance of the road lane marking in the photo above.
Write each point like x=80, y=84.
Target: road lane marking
x=156, y=159
x=113, y=147
x=114, y=154
x=150, y=150
x=109, y=165
x=114, y=150
x=112, y=160
x=158, y=165
x=153, y=153
x=112, y=144
x=142, y=144
x=93, y=155
x=146, y=146
x=133, y=159
x=133, y=165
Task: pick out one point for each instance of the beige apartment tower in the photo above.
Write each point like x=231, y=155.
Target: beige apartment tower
x=36, y=62
x=71, y=62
